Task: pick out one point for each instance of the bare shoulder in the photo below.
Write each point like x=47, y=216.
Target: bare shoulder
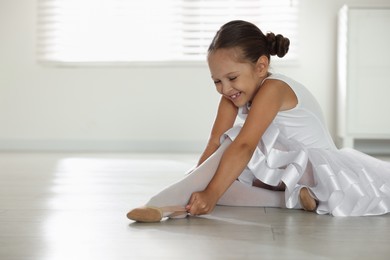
x=278, y=91
x=275, y=85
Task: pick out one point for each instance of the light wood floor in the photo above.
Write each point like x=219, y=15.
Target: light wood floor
x=73, y=206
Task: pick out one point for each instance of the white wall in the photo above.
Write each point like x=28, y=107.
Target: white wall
x=134, y=108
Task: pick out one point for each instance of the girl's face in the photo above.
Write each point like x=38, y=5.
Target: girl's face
x=236, y=80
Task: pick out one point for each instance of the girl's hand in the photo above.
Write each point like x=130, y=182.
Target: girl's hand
x=201, y=203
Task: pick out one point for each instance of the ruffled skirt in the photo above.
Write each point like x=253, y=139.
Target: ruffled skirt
x=346, y=182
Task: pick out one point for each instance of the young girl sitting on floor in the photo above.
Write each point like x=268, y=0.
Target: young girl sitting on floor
x=281, y=156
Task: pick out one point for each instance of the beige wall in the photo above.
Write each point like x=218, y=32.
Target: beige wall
x=135, y=108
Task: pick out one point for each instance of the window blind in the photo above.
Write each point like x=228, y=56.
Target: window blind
x=150, y=30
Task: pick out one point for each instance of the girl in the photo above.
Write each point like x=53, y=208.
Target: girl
x=281, y=156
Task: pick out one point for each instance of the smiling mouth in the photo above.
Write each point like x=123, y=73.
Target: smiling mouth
x=235, y=96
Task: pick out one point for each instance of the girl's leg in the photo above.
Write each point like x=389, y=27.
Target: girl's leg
x=239, y=194
x=172, y=200
x=175, y=197
x=180, y=192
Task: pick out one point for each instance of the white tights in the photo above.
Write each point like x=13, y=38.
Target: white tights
x=238, y=194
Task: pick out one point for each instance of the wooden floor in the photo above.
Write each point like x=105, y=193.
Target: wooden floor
x=73, y=206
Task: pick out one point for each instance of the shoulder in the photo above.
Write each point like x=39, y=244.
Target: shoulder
x=274, y=85
x=276, y=91
x=277, y=79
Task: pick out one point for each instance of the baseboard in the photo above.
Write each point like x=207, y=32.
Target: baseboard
x=171, y=146
x=370, y=146
x=373, y=147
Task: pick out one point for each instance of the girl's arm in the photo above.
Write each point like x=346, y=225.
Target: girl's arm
x=224, y=120
x=272, y=97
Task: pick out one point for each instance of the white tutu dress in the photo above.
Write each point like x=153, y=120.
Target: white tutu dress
x=297, y=144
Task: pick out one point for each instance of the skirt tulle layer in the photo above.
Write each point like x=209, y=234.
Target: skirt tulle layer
x=346, y=182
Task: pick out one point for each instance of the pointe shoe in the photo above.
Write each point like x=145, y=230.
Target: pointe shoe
x=155, y=214
x=308, y=203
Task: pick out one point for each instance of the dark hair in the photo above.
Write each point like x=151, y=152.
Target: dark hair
x=250, y=39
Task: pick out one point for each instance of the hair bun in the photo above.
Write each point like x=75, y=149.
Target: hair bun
x=277, y=45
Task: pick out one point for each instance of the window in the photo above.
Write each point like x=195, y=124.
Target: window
x=95, y=31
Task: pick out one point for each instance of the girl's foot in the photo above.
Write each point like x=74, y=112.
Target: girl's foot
x=155, y=214
x=308, y=203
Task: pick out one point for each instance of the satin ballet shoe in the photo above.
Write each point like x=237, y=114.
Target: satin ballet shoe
x=155, y=214
x=308, y=203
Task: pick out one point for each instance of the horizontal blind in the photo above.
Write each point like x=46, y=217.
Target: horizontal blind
x=202, y=18
x=150, y=30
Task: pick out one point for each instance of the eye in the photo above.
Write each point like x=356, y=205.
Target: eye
x=217, y=82
x=232, y=78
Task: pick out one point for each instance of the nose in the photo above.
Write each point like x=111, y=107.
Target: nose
x=225, y=88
